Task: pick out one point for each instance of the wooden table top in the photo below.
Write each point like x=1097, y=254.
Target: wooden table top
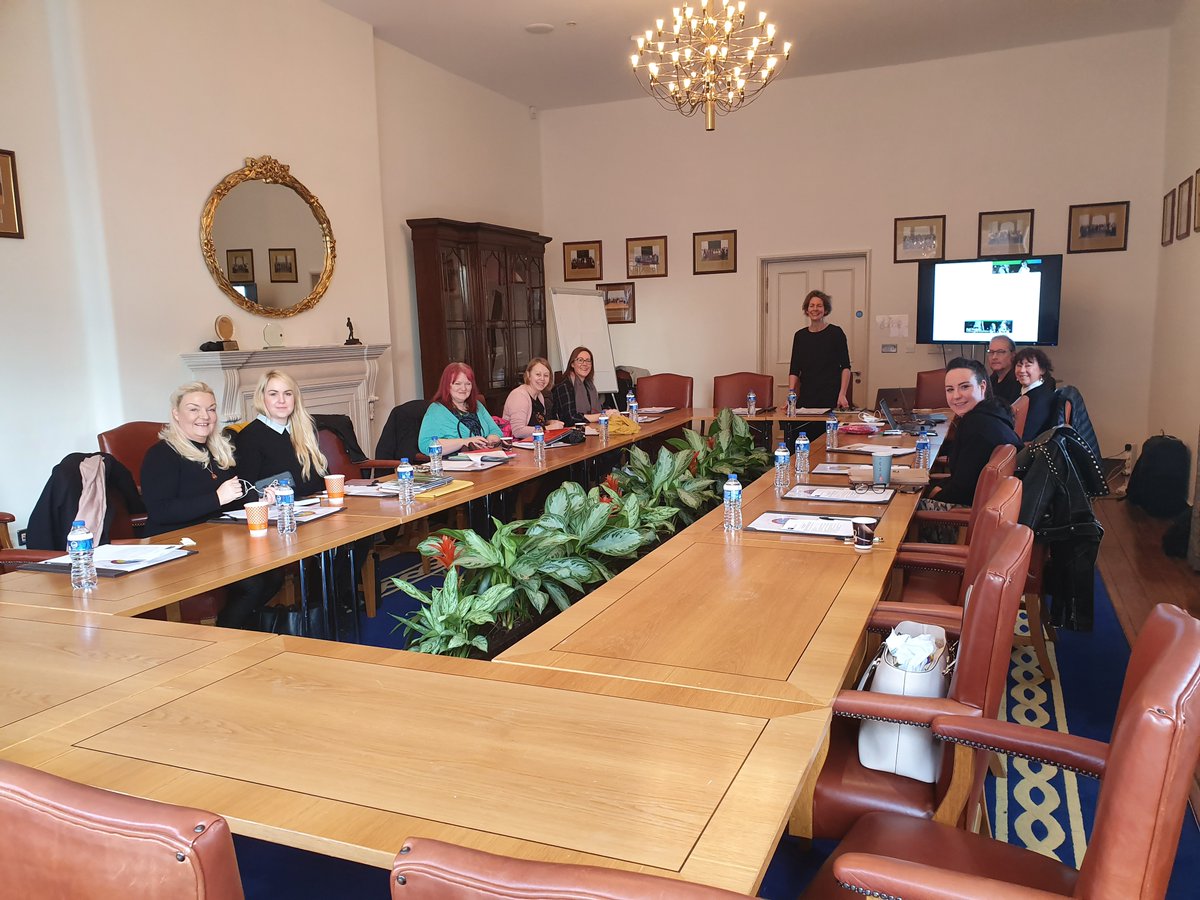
x=348, y=750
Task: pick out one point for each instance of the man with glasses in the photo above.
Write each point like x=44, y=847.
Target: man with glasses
x=1000, y=362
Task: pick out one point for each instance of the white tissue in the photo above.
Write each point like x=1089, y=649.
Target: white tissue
x=913, y=652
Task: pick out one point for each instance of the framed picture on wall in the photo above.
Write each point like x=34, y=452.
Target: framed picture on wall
x=1098, y=227
x=618, y=302
x=918, y=238
x=283, y=264
x=714, y=252
x=1183, y=209
x=1168, y=218
x=582, y=260
x=10, y=199
x=646, y=257
x=1195, y=204
x=1006, y=232
x=239, y=266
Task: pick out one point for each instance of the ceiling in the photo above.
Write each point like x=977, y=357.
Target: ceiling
x=585, y=58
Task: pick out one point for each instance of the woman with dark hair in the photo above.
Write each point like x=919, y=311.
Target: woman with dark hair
x=455, y=416
x=575, y=398
x=1033, y=367
x=820, y=366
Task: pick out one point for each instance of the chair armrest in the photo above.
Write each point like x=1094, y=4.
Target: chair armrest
x=6, y=518
x=888, y=614
x=944, y=516
x=956, y=550
x=938, y=562
x=896, y=708
x=1067, y=751
x=370, y=465
x=11, y=560
x=885, y=876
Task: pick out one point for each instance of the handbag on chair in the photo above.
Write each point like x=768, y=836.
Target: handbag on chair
x=907, y=750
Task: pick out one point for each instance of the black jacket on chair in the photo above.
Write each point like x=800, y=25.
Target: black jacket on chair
x=1060, y=476
x=398, y=440
x=54, y=511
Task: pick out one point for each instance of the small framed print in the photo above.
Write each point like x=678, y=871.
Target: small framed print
x=1168, y=218
x=10, y=199
x=1183, y=209
x=714, y=252
x=618, y=302
x=1098, y=227
x=918, y=238
x=283, y=264
x=239, y=266
x=1196, y=205
x=1007, y=232
x=583, y=260
x=646, y=257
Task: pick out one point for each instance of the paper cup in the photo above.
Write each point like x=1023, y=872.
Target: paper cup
x=864, y=533
x=881, y=467
x=256, y=518
x=335, y=487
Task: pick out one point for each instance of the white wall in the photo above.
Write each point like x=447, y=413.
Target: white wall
x=824, y=164
x=1175, y=362
x=448, y=149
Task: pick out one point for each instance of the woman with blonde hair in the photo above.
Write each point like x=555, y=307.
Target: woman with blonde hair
x=283, y=439
x=528, y=404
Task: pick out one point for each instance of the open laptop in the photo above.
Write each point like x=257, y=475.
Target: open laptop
x=910, y=426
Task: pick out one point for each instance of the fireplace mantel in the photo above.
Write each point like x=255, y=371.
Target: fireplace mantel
x=335, y=379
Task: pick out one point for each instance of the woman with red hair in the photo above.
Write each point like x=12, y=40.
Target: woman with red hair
x=455, y=416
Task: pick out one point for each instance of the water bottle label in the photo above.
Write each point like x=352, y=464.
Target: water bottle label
x=77, y=545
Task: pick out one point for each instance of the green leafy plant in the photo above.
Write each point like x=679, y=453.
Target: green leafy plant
x=450, y=622
x=727, y=448
x=668, y=481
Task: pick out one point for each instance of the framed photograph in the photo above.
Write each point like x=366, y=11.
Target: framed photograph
x=583, y=261
x=10, y=200
x=1183, y=209
x=1098, y=227
x=239, y=266
x=618, y=302
x=714, y=252
x=283, y=264
x=1005, y=232
x=1168, y=218
x=646, y=257
x=1195, y=205
x=919, y=237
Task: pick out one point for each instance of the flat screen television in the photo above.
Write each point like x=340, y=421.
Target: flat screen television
x=965, y=301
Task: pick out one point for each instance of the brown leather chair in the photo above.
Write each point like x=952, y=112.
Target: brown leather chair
x=931, y=389
x=846, y=790
x=1146, y=772
x=426, y=869
x=12, y=559
x=6, y=519
x=63, y=839
x=1020, y=410
x=665, y=389
x=340, y=462
x=129, y=443
x=731, y=390
x=1001, y=464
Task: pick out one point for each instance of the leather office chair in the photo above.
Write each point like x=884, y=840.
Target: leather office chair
x=1146, y=771
x=63, y=839
x=731, y=390
x=399, y=437
x=931, y=389
x=846, y=790
x=129, y=443
x=665, y=389
x=12, y=559
x=340, y=462
x=426, y=869
x=6, y=519
x=1001, y=464
x=1020, y=410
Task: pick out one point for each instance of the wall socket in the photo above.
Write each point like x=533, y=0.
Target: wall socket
x=888, y=348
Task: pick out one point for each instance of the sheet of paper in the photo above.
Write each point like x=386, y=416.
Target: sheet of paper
x=303, y=513
x=837, y=494
x=467, y=465
x=872, y=449
x=791, y=523
x=657, y=409
x=832, y=469
x=127, y=557
x=812, y=410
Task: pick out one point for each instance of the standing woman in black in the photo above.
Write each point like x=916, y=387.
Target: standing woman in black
x=820, y=368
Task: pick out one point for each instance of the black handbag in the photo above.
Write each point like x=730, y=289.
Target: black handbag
x=290, y=620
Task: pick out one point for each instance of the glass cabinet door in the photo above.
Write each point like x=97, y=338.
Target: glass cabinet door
x=456, y=289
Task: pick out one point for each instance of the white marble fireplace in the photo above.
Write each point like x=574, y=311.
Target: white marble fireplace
x=337, y=379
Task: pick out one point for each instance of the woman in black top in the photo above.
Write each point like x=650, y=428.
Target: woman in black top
x=189, y=477
x=283, y=439
x=820, y=367
x=575, y=399
x=1032, y=368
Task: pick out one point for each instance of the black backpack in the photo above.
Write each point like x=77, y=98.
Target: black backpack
x=1160, y=477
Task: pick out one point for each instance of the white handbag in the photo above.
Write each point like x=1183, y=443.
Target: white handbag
x=907, y=750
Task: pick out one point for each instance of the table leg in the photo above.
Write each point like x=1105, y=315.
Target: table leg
x=800, y=824
x=303, y=600
x=353, y=593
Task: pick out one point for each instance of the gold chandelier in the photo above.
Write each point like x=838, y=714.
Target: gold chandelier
x=710, y=61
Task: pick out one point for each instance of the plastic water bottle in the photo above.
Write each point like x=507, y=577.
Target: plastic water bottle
x=831, y=430
x=404, y=477
x=791, y=404
x=602, y=423
x=802, y=457
x=81, y=545
x=630, y=402
x=633, y=408
x=922, y=451
x=751, y=404
x=435, y=457
x=539, y=445
x=285, y=503
x=733, y=503
x=783, y=468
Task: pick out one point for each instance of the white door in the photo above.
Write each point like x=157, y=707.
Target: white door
x=786, y=282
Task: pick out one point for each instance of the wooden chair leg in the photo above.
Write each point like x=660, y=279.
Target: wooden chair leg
x=996, y=766
x=370, y=586
x=1037, y=633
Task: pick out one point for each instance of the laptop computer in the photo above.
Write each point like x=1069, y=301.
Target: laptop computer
x=912, y=426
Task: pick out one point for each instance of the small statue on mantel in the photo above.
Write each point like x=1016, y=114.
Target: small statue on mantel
x=352, y=340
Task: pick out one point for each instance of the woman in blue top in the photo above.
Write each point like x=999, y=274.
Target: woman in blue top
x=455, y=415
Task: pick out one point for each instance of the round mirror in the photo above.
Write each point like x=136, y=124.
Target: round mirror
x=266, y=240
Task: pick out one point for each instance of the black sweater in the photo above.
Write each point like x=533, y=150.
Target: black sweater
x=179, y=493
x=818, y=358
x=262, y=452
x=1043, y=410
x=980, y=431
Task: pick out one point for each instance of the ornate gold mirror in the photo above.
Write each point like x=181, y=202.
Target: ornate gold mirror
x=266, y=240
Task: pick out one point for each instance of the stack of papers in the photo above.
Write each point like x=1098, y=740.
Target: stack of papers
x=791, y=523
x=872, y=449
x=304, y=513
x=117, y=559
x=466, y=460
x=837, y=494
